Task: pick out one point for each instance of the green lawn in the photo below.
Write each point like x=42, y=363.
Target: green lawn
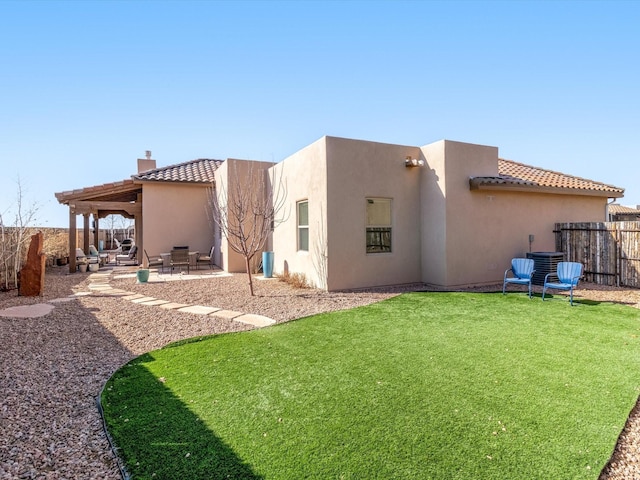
x=422, y=386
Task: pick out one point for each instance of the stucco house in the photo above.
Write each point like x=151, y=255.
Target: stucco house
x=447, y=214
x=361, y=214
x=168, y=204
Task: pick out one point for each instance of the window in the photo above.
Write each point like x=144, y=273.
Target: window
x=378, y=225
x=303, y=225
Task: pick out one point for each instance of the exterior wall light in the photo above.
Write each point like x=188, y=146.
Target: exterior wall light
x=413, y=162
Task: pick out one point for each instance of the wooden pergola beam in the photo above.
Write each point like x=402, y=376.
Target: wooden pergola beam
x=106, y=213
x=86, y=207
x=125, y=188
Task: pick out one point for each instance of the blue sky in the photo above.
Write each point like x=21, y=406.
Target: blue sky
x=87, y=87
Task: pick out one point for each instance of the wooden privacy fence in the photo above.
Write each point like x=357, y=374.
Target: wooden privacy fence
x=609, y=251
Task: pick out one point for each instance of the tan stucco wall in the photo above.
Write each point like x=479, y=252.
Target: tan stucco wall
x=481, y=230
x=235, y=172
x=336, y=176
x=225, y=257
x=498, y=228
x=175, y=214
x=433, y=215
x=357, y=170
x=305, y=176
x=446, y=204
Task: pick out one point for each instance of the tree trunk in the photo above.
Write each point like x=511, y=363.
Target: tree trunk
x=248, y=266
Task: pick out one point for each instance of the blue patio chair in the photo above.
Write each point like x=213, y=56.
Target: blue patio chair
x=568, y=275
x=522, y=270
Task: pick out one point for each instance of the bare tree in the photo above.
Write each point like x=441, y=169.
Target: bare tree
x=125, y=225
x=5, y=254
x=110, y=220
x=247, y=209
x=13, y=238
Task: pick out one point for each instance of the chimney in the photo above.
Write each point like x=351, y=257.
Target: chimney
x=146, y=164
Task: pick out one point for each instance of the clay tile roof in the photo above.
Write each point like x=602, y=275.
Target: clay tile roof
x=516, y=174
x=196, y=171
x=615, y=209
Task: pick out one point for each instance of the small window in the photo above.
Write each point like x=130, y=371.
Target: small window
x=378, y=225
x=303, y=226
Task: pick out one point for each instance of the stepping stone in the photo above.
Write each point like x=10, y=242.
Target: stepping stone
x=129, y=275
x=142, y=299
x=133, y=297
x=27, y=311
x=255, y=320
x=115, y=292
x=99, y=276
x=172, y=305
x=228, y=314
x=154, y=302
x=198, y=309
x=98, y=286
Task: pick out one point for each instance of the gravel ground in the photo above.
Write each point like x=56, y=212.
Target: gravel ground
x=53, y=367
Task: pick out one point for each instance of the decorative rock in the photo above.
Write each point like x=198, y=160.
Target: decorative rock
x=32, y=274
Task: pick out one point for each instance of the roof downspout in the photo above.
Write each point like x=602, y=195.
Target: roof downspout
x=606, y=209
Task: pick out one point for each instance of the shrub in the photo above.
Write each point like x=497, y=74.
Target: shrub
x=295, y=279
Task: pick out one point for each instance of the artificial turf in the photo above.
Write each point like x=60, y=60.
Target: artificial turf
x=422, y=386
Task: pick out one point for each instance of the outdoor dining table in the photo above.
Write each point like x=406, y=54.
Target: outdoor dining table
x=166, y=259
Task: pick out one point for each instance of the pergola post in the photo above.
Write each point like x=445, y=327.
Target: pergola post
x=138, y=227
x=96, y=230
x=73, y=244
x=85, y=234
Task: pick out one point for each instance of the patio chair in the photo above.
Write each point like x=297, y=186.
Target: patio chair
x=81, y=256
x=568, y=275
x=154, y=262
x=179, y=258
x=206, y=259
x=129, y=259
x=102, y=258
x=522, y=270
x=125, y=245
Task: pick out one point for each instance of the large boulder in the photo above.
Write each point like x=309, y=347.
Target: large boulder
x=32, y=274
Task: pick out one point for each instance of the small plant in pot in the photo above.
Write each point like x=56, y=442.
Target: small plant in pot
x=83, y=263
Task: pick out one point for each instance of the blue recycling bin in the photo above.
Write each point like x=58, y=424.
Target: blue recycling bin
x=267, y=264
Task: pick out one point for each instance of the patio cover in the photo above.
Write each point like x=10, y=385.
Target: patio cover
x=121, y=198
